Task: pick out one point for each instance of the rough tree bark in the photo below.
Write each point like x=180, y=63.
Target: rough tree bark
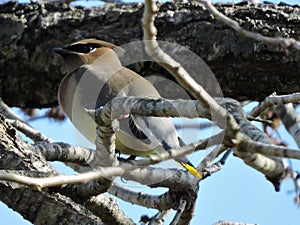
x=30, y=72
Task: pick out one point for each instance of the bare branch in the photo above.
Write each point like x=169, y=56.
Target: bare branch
x=40, y=183
x=170, y=108
x=159, y=177
x=6, y=111
x=19, y=124
x=105, y=140
x=270, y=150
x=156, y=107
x=290, y=119
x=160, y=202
x=80, y=169
x=179, y=212
x=29, y=131
x=58, y=151
x=274, y=100
x=169, y=178
x=225, y=157
x=162, y=108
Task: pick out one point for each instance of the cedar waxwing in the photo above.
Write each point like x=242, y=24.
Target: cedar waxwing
x=95, y=76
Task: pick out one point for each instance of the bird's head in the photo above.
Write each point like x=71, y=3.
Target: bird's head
x=85, y=52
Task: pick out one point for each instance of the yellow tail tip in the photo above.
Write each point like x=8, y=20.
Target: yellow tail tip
x=192, y=170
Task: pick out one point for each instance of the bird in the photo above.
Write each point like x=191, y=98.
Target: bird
x=95, y=75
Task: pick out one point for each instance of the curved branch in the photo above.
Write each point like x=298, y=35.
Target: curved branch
x=273, y=100
x=160, y=202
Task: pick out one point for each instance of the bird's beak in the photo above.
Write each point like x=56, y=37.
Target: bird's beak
x=62, y=52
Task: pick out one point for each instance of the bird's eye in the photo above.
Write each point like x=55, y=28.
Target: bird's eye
x=92, y=49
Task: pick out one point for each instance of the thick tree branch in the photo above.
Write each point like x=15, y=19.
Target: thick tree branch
x=39, y=207
x=58, y=151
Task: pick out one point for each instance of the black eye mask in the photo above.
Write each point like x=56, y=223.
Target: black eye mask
x=82, y=48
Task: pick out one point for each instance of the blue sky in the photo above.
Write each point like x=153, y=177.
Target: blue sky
x=237, y=193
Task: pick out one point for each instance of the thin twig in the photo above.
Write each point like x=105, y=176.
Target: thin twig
x=29, y=131
x=40, y=183
x=225, y=157
x=267, y=122
x=6, y=111
x=275, y=100
x=179, y=212
x=19, y=124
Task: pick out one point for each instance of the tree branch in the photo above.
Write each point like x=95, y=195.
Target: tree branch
x=273, y=100
x=290, y=119
x=58, y=151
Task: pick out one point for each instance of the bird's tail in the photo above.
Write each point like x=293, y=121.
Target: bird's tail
x=187, y=164
x=189, y=167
